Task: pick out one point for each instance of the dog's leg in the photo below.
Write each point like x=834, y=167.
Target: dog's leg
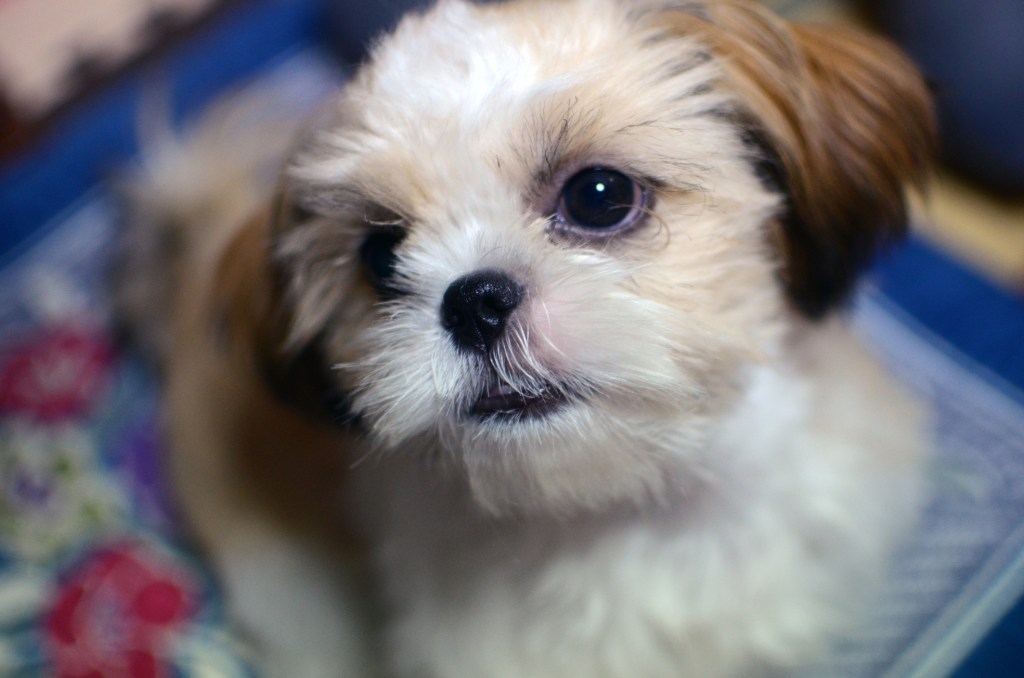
x=300, y=613
x=287, y=583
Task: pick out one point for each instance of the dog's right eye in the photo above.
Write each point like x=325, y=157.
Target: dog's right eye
x=600, y=202
x=378, y=257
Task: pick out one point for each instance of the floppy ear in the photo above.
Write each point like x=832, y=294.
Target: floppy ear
x=844, y=121
x=253, y=321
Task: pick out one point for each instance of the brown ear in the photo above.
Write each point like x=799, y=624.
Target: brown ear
x=846, y=122
x=253, y=325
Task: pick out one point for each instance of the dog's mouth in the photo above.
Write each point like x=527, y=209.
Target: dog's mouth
x=502, y=401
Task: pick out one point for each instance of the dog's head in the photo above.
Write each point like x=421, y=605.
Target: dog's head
x=543, y=241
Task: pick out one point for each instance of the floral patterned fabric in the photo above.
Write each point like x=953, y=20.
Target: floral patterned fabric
x=94, y=580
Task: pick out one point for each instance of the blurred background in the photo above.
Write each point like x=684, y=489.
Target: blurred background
x=97, y=576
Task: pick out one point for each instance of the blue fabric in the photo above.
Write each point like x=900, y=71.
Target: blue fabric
x=958, y=305
x=1001, y=653
x=986, y=324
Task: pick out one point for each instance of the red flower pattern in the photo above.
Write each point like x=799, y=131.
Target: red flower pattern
x=117, y=613
x=55, y=375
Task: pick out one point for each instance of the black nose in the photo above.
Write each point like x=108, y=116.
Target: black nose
x=476, y=306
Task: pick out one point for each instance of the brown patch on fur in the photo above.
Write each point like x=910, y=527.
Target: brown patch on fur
x=235, y=445
x=246, y=304
x=304, y=493
x=252, y=321
x=849, y=122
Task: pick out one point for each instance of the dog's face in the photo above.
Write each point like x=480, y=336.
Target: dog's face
x=545, y=241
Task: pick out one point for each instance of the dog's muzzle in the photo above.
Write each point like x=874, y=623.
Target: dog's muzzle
x=475, y=311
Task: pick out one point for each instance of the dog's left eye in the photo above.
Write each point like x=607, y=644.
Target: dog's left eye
x=599, y=201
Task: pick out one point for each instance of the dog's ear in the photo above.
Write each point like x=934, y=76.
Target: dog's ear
x=843, y=123
x=253, y=322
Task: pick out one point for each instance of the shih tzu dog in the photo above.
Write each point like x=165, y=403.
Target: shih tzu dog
x=542, y=315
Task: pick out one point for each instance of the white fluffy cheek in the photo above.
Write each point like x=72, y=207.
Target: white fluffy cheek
x=407, y=379
x=613, y=343
x=596, y=330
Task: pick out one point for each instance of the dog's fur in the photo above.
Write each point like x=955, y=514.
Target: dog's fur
x=725, y=471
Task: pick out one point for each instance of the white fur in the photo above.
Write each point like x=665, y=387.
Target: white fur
x=727, y=480
x=763, y=551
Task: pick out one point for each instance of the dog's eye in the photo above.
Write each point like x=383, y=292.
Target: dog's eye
x=377, y=254
x=601, y=201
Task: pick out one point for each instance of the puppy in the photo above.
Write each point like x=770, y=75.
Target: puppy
x=544, y=309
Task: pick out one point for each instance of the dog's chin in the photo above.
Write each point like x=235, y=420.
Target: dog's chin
x=558, y=449
x=563, y=454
